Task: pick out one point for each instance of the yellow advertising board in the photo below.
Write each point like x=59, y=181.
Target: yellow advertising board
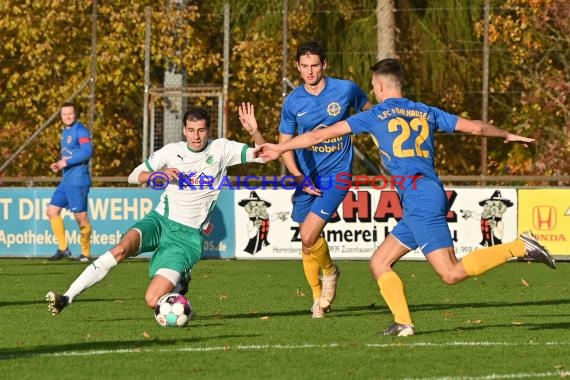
x=547, y=213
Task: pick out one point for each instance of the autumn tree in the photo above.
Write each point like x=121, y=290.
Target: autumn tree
x=346, y=29
x=534, y=70
x=45, y=55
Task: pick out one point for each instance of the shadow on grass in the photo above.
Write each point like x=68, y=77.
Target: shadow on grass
x=100, y=348
x=501, y=304
x=526, y=326
x=34, y=274
x=83, y=300
x=351, y=311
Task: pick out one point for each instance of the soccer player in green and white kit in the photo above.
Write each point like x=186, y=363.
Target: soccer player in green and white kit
x=173, y=230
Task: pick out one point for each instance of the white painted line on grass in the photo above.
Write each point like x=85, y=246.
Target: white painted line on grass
x=465, y=344
x=401, y=344
x=492, y=376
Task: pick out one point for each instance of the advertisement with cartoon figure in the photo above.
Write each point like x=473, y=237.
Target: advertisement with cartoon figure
x=477, y=218
x=254, y=235
x=488, y=217
x=492, y=225
x=258, y=225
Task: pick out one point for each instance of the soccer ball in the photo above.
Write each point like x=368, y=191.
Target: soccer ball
x=172, y=310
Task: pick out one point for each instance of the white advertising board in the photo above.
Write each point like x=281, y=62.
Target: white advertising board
x=264, y=229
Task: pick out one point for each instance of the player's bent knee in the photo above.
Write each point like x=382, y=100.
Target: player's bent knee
x=151, y=300
x=309, y=236
x=378, y=263
x=379, y=268
x=119, y=253
x=309, y=240
x=450, y=278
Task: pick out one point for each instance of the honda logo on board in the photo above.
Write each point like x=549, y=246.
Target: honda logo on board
x=544, y=218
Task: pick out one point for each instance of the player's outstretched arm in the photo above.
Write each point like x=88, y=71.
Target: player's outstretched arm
x=247, y=118
x=480, y=128
x=272, y=151
x=268, y=152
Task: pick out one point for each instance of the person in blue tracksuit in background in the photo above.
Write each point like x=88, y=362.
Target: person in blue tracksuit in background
x=73, y=190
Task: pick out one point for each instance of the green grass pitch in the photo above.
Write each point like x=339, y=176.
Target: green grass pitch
x=252, y=321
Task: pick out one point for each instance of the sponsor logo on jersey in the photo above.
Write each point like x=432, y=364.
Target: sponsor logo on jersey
x=333, y=109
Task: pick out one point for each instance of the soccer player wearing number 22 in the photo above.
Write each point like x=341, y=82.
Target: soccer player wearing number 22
x=404, y=132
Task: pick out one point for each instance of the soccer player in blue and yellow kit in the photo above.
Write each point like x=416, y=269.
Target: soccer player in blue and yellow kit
x=404, y=132
x=73, y=190
x=321, y=101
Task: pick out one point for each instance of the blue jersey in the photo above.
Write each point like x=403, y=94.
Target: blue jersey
x=76, y=144
x=404, y=132
x=302, y=112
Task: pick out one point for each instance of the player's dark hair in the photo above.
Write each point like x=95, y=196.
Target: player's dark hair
x=196, y=114
x=71, y=104
x=311, y=47
x=389, y=66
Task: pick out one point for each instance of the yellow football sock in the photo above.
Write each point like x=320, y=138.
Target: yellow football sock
x=482, y=260
x=85, y=240
x=58, y=229
x=311, y=268
x=320, y=252
x=392, y=290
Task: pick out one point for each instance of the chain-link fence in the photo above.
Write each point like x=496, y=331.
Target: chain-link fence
x=168, y=105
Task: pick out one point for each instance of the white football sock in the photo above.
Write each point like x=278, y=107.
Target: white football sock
x=94, y=273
